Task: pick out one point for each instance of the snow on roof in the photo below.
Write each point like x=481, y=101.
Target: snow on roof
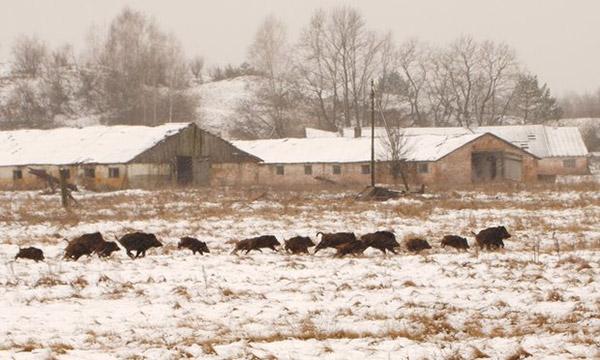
x=92, y=145
x=344, y=150
x=318, y=133
x=542, y=141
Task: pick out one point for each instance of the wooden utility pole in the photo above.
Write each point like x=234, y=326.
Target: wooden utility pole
x=372, y=133
x=64, y=192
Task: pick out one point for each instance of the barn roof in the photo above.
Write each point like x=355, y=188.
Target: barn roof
x=92, y=145
x=543, y=141
x=345, y=150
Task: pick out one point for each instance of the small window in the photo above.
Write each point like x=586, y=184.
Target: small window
x=279, y=170
x=365, y=169
x=89, y=172
x=307, y=169
x=525, y=146
x=531, y=137
x=17, y=174
x=423, y=168
x=336, y=169
x=569, y=163
x=113, y=172
x=67, y=173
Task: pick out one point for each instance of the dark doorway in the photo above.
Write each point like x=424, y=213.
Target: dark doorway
x=486, y=166
x=489, y=166
x=185, y=174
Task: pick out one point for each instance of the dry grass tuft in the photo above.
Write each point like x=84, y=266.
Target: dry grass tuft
x=48, y=281
x=581, y=264
x=60, y=348
x=519, y=354
x=554, y=295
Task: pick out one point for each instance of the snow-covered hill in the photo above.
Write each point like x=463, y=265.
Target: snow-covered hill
x=219, y=101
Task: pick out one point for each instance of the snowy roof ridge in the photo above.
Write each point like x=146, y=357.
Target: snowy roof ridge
x=347, y=150
x=87, y=145
x=540, y=140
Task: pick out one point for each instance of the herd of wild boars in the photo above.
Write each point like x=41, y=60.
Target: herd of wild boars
x=345, y=243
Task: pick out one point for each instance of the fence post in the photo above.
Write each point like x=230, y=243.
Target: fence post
x=64, y=194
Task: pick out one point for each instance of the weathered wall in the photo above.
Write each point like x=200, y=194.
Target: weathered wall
x=453, y=169
x=234, y=174
x=555, y=166
x=193, y=142
x=149, y=176
x=152, y=168
x=246, y=174
x=101, y=180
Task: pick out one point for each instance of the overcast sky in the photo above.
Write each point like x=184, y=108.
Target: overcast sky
x=557, y=39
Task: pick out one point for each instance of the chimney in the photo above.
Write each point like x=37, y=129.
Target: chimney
x=357, y=131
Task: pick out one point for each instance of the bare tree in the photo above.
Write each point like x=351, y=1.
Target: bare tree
x=412, y=65
x=272, y=104
x=339, y=55
x=196, y=67
x=317, y=64
x=138, y=69
x=497, y=79
x=396, y=148
x=28, y=56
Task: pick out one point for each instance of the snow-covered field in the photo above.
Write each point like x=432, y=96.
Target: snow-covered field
x=171, y=305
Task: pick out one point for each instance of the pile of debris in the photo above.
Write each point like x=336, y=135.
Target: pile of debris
x=378, y=193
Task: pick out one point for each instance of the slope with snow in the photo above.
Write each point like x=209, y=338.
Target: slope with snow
x=219, y=101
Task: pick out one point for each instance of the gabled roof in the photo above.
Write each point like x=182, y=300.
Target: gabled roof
x=91, y=145
x=542, y=141
x=347, y=150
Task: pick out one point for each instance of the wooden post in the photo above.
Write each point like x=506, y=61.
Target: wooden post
x=372, y=133
x=64, y=192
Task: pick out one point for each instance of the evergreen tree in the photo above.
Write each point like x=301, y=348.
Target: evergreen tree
x=532, y=102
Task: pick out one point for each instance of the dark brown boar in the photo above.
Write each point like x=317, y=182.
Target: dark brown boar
x=107, y=249
x=86, y=244
x=193, y=244
x=333, y=240
x=31, y=253
x=417, y=245
x=455, y=241
x=355, y=248
x=140, y=242
x=381, y=240
x=491, y=238
x=256, y=243
x=298, y=244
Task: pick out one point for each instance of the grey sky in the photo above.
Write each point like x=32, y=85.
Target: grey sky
x=557, y=39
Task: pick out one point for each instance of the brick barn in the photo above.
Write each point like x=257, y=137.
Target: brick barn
x=114, y=157
x=561, y=150
x=429, y=159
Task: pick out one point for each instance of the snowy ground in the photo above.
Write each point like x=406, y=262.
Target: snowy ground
x=172, y=305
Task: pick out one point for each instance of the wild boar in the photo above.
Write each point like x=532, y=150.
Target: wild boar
x=455, y=241
x=140, y=242
x=491, y=238
x=256, y=243
x=355, y=247
x=381, y=240
x=298, y=244
x=31, y=253
x=193, y=244
x=333, y=240
x=86, y=244
x=416, y=245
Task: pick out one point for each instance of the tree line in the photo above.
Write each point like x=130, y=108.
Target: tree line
x=132, y=73
x=324, y=77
